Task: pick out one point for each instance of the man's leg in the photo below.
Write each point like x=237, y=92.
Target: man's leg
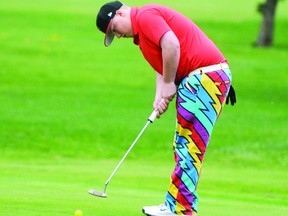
x=199, y=103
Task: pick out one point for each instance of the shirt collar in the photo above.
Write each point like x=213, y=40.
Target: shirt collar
x=135, y=28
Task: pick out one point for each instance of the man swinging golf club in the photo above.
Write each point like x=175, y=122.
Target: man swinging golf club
x=187, y=64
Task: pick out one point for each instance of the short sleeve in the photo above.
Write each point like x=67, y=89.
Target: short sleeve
x=153, y=25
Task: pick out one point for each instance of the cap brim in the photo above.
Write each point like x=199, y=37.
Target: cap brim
x=109, y=36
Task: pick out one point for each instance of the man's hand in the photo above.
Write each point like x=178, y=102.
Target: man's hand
x=165, y=94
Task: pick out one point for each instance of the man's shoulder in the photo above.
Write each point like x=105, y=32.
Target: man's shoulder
x=152, y=8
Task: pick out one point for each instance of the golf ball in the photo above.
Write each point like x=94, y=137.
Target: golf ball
x=78, y=213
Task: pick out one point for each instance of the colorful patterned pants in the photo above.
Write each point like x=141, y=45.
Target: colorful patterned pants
x=199, y=102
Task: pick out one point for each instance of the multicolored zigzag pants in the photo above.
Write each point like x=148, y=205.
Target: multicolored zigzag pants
x=199, y=102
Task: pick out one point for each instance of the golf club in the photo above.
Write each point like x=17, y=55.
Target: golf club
x=103, y=194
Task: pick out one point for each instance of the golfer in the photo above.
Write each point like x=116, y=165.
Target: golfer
x=189, y=66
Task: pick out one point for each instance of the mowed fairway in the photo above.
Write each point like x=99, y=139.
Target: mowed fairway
x=70, y=108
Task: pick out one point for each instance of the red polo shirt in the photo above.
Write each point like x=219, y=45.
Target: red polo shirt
x=152, y=21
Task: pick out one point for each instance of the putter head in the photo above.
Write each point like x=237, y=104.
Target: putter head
x=97, y=193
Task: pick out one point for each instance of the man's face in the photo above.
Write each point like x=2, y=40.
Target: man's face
x=121, y=25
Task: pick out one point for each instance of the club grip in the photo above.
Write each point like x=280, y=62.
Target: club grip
x=153, y=116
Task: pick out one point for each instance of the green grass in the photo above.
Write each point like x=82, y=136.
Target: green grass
x=59, y=187
x=70, y=108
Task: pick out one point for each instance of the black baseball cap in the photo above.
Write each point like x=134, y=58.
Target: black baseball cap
x=103, y=20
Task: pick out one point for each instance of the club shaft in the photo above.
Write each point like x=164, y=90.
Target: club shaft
x=130, y=148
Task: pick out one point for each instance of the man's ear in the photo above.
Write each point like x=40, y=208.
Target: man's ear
x=119, y=12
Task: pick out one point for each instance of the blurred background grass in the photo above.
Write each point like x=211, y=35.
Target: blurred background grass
x=67, y=99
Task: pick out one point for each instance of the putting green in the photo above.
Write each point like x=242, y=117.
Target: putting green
x=70, y=108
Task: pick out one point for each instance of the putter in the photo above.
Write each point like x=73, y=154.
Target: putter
x=103, y=194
